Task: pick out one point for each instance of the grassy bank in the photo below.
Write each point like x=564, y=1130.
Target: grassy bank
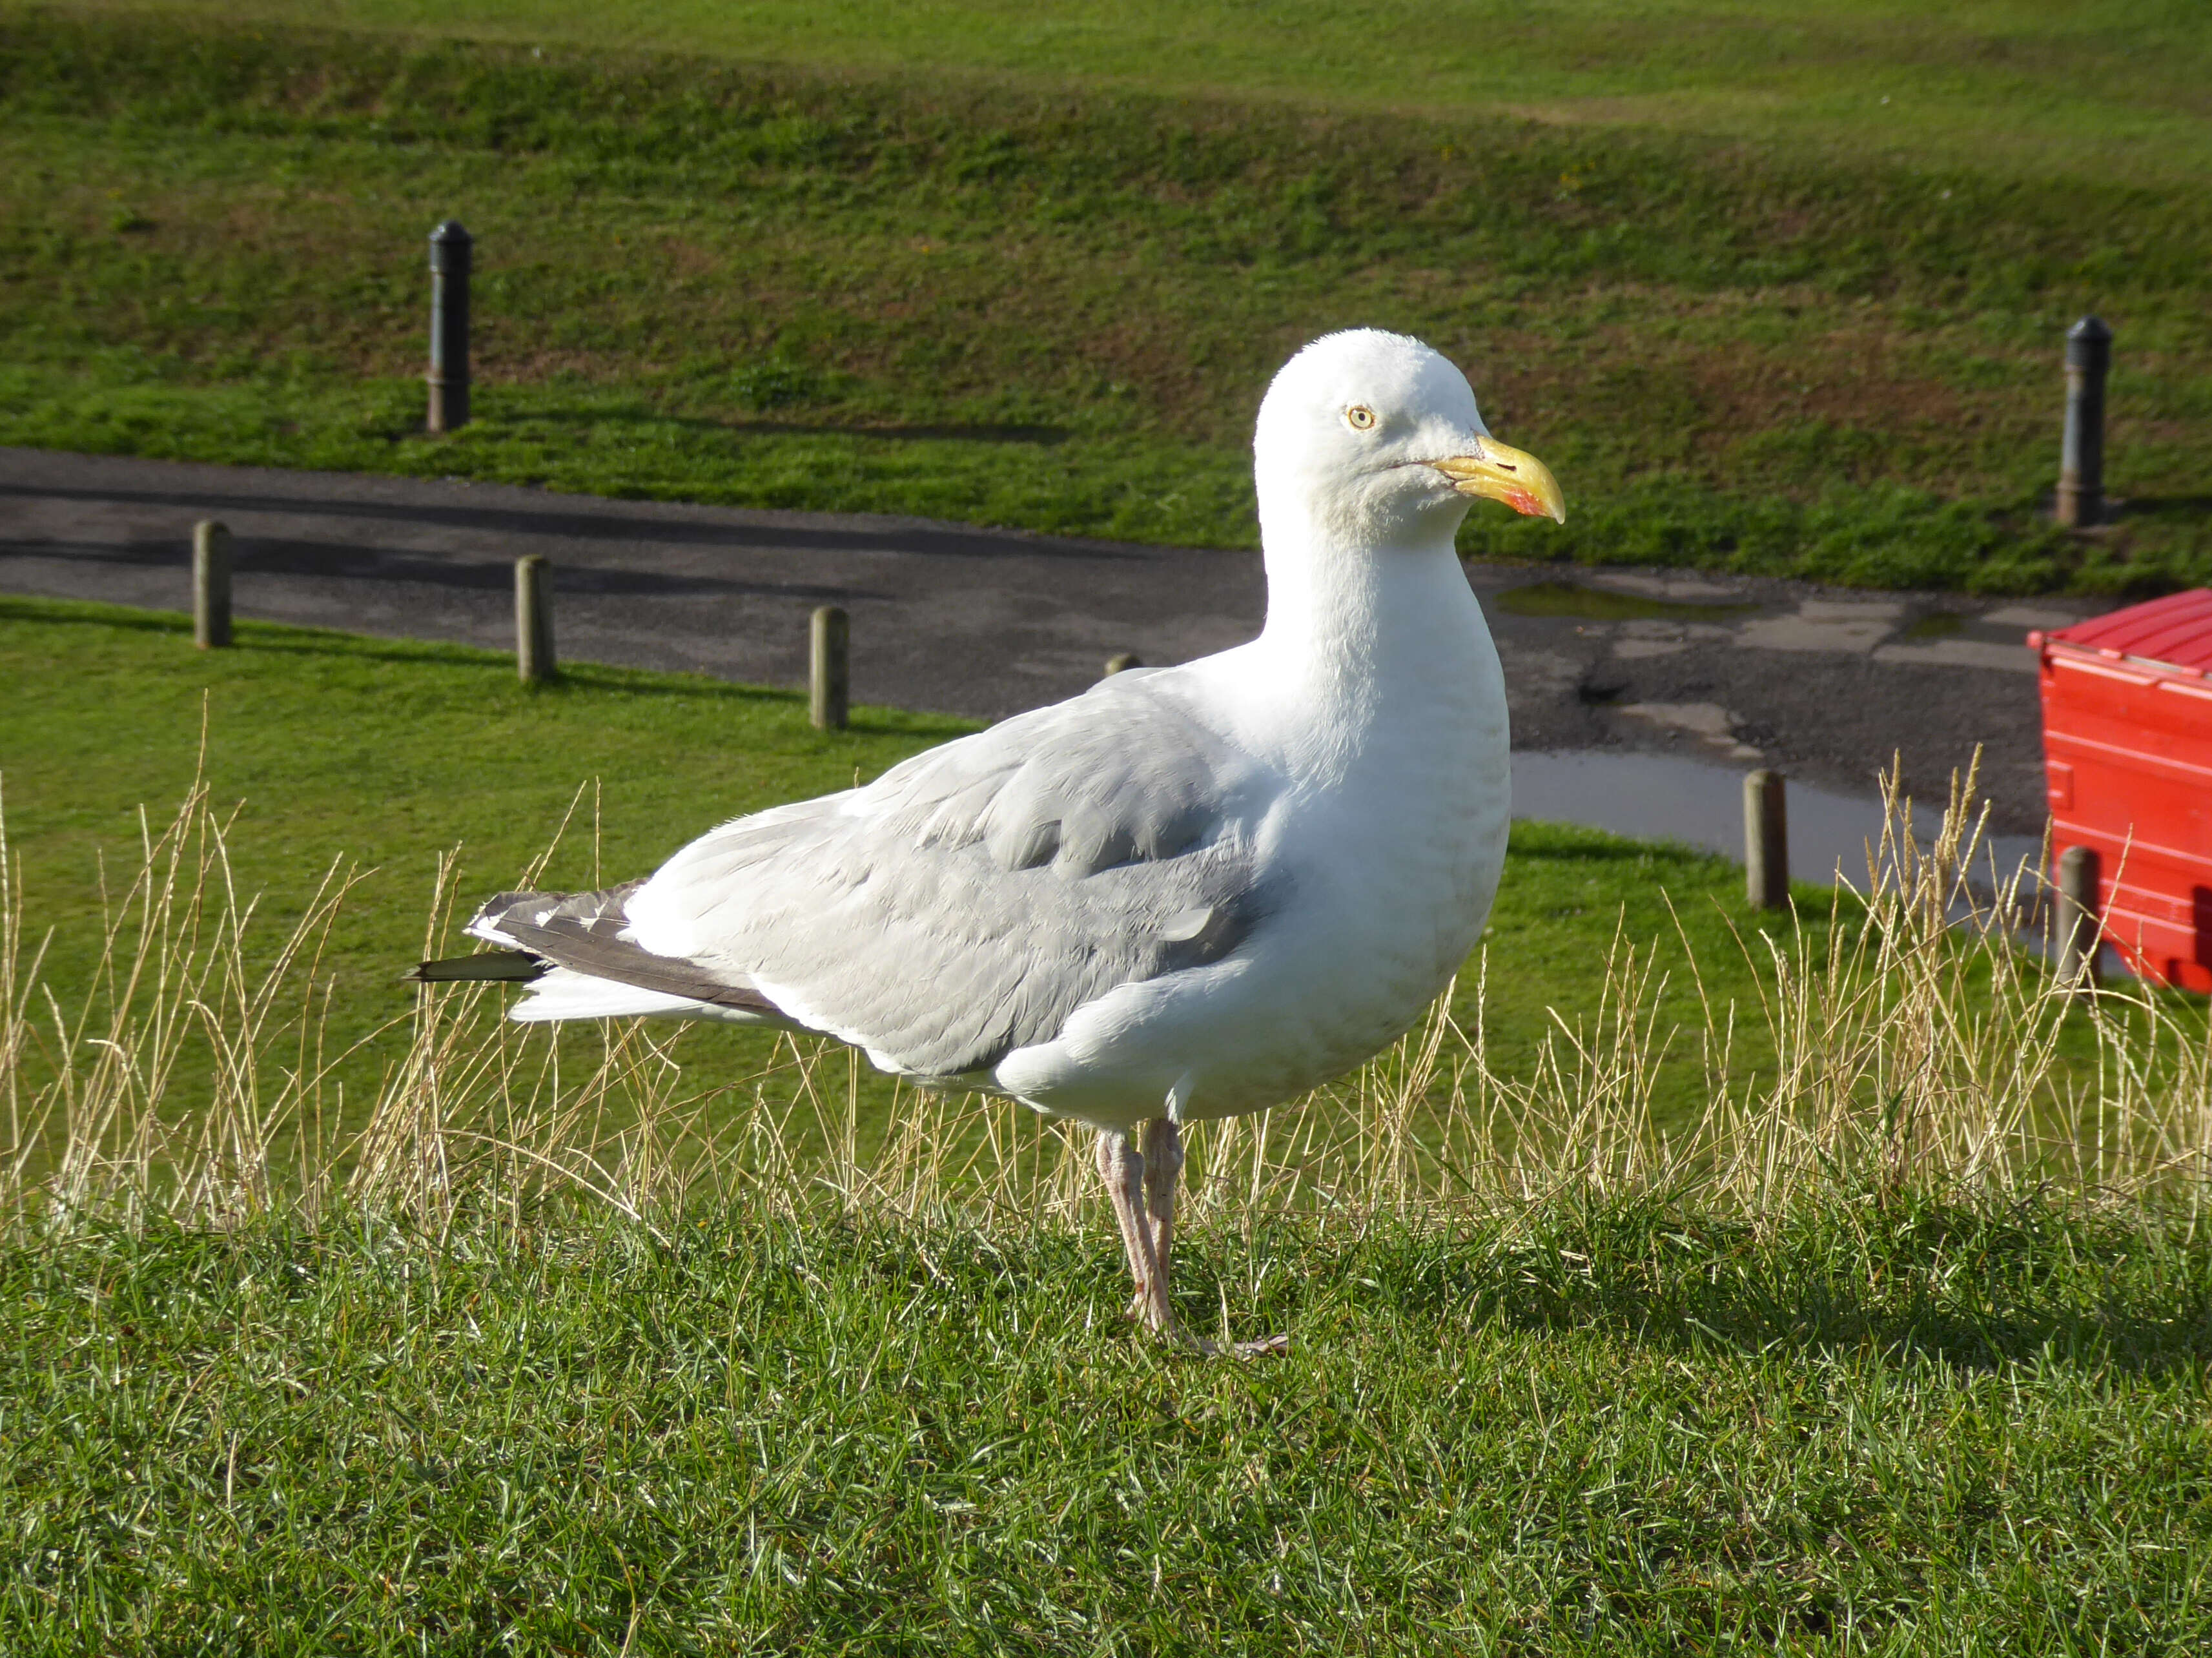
x=979, y=299
x=1597, y=1426
x=2099, y=91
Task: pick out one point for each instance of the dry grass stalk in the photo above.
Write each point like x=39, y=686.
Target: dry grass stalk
x=1922, y=1047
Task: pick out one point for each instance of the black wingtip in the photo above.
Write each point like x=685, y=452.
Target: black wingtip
x=496, y=966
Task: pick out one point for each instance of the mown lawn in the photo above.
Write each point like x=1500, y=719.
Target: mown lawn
x=1047, y=290
x=1601, y=1426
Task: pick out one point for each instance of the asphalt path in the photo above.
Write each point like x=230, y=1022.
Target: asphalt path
x=1828, y=685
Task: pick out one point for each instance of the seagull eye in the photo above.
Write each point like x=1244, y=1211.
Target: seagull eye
x=1361, y=417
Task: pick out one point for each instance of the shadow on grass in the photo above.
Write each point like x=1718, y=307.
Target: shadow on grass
x=2175, y=507
x=18, y=607
x=1540, y=840
x=1976, y=1289
x=747, y=426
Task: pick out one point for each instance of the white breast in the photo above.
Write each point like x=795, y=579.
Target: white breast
x=1388, y=845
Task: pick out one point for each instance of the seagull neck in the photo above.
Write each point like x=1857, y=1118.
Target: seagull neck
x=1334, y=611
x=1356, y=637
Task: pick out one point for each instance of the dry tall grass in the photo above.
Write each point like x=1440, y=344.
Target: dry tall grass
x=1920, y=1048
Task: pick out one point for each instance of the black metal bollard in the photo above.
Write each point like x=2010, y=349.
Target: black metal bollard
x=450, y=255
x=2082, y=460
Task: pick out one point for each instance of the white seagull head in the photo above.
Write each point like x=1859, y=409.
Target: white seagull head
x=1373, y=439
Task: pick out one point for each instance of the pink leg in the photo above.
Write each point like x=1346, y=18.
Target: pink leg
x=1163, y=1171
x=1121, y=1166
x=1142, y=1187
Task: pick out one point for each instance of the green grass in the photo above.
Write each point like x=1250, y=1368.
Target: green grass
x=1879, y=1405
x=1598, y=1427
x=334, y=748
x=2096, y=91
x=1047, y=293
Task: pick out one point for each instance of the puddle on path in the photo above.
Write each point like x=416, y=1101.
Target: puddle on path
x=1935, y=625
x=1655, y=796
x=1567, y=599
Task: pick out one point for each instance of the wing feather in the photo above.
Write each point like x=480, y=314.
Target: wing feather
x=972, y=898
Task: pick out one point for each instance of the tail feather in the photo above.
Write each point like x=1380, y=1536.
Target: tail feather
x=499, y=966
x=564, y=994
x=575, y=951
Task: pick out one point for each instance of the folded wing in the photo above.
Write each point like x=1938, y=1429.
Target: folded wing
x=966, y=902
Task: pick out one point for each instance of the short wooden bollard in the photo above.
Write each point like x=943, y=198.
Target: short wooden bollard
x=830, y=669
x=211, y=585
x=1122, y=662
x=1765, y=842
x=533, y=620
x=2082, y=458
x=2079, y=929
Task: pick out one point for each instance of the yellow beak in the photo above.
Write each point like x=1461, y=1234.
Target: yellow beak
x=1503, y=473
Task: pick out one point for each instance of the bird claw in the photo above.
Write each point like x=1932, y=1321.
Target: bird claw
x=1266, y=1347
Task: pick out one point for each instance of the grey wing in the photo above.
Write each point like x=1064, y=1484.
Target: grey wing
x=970, y=900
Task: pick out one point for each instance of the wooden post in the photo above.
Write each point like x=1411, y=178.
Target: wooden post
x=2082, y=460
x=830, y=669
x=2079, y=929
x=211, y=585
x=1122, y=662
x=533, y=620
x=1766, y=840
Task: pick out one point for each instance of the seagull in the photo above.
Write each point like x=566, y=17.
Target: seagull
x=1192, y=892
